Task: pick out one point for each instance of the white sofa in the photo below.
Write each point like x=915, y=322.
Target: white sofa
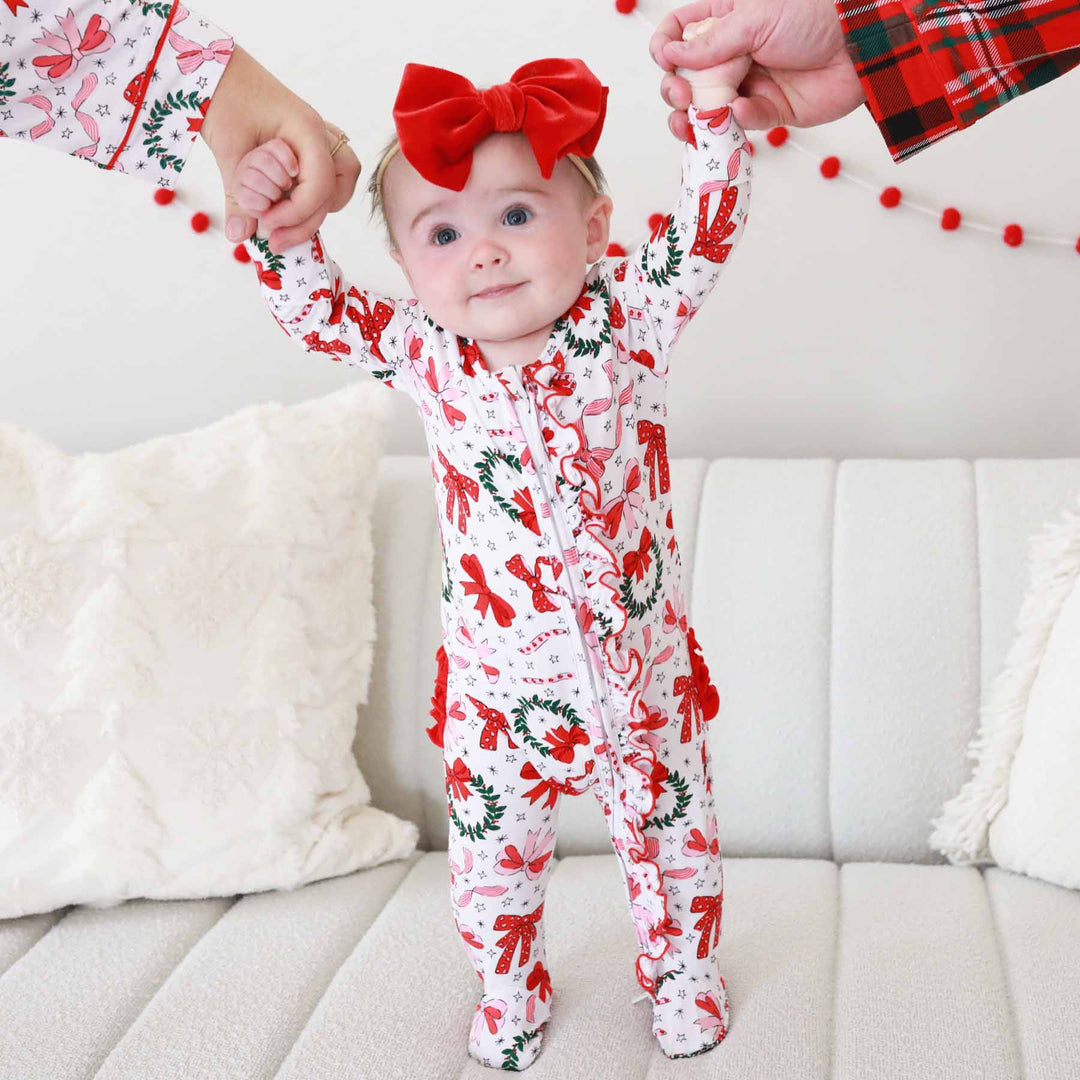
x=849, y=612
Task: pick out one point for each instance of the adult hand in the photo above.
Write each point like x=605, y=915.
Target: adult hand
x=250, y=107
x=801, y=72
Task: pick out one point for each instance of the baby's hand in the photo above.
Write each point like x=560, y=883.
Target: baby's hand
x=715, y=86
x=263, y=175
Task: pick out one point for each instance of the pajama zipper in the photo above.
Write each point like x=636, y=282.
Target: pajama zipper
x=541, y=462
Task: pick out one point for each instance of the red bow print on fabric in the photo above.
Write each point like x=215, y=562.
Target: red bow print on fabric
x=486, y=600
x=636, y=563
x=540, y=600
x=522, y=928
x=460, y=487
x=557, y=104
x=73, y=46
x=709, y=923
x=655, y=438
x=494, y=722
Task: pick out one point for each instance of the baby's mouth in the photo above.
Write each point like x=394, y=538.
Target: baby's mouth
x=496, y=291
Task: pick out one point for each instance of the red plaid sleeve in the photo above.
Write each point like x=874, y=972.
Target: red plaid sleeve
x=931, y=68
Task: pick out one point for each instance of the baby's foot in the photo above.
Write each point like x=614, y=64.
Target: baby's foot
x=504, y=1042
x=690, y=1017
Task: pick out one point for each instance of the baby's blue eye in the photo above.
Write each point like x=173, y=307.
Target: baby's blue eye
x=516, y=215
x=442, y=233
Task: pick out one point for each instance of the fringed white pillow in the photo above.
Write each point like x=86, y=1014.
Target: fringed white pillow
x=1021, y=807
x=186, y=630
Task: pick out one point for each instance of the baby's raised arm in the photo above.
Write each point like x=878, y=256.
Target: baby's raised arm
x=665, y=280
x=309, y=295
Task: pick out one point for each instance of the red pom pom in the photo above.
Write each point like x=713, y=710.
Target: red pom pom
x=654, y=221
x=890, y=197
x=749, y=146
x=200, y=222
x=950, y=218
x=1078, y=247
x=241, y=254
x=624, y=7
x=1013, y=235
x=164, y=196
x=777, y=136
x=830, y=167
x=615, y=249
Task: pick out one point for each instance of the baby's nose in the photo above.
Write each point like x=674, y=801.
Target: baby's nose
x=488, y=255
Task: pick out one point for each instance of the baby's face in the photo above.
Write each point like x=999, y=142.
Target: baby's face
x=507, y=227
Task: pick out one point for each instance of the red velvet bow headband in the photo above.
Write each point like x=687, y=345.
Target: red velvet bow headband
x=559, y=105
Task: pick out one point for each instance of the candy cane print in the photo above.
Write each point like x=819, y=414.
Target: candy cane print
x=540, y=639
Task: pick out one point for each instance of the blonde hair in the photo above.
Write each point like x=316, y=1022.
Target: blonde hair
x=588, y=164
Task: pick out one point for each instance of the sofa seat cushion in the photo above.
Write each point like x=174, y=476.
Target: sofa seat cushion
x=867, y=969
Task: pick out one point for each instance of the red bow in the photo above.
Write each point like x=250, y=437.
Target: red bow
x=494, y=722
x=559, y=105
x=709, y=923
x=521, y=928
x=637, y=562
x=485, y=598
x=458, y=779
x=656, y=438
x=540, y=600
x=458, y=486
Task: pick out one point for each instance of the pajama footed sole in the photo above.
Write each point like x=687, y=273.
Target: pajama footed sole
x=690, y=1017
x=499, y=1043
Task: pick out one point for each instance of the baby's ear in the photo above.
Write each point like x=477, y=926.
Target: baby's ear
x=598, y=227
x=397, y=257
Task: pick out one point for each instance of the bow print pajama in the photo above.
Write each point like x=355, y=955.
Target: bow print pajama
x=567, y=663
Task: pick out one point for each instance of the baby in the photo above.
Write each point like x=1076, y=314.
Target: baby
x=539, y=368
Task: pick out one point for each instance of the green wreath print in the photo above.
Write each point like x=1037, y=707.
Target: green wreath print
x=555, y=709
x=682, y=801
x=486, y=466
x=591, y=345
x=519, y=1043
x=6, y=85
x=637, y=608
x=160, y=111
x=662, y=275
x=493, y=810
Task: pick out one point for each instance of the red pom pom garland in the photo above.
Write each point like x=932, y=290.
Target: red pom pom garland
x=615, y=249
x=1013, y=235
x=890, y=197
x=164, y=196
x=950, y=218
x=200, y=222
x=830, y=167
x=625, y=7
x=777, y=136
x=241, y=254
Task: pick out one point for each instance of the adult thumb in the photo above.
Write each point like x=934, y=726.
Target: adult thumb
x=729, y=36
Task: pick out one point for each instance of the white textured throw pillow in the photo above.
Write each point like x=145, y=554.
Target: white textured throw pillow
x=1021, y=808
x=186, y=629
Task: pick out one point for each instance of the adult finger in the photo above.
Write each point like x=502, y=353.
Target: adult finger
x=733, y=35
x=280, y=239
x=679, y=125
x=671, y=28
x=348, y=172
x=239, y=223
x=761, y=104
x=676, y=91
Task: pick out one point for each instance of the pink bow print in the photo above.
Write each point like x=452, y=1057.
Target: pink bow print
x=72, y=47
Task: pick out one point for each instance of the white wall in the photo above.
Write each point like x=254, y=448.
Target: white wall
x=840, y=329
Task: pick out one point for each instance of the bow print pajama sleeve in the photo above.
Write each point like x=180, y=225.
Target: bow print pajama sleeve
x=121, y=84
x=567, y=661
